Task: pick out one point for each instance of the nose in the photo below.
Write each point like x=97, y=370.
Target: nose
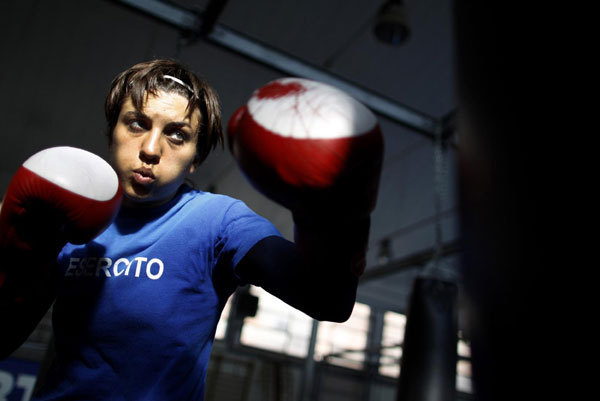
x=150, y=150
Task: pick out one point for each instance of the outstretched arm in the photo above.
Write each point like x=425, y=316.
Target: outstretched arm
x=59, y=194
x=318, y=152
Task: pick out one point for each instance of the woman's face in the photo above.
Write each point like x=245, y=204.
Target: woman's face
x=153, y=150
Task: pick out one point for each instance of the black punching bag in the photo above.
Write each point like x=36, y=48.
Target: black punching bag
x=428, y=367
x=514, y=197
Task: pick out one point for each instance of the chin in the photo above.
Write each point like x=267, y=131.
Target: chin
x=138, y=195
x=145, y=200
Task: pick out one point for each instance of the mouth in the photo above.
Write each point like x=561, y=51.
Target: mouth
x=143, y=176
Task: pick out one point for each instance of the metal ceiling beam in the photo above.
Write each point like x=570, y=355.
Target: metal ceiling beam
x=170, y=13
x=273, y=58
x=192, y=22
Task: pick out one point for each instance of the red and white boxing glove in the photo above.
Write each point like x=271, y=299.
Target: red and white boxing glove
x=65, y=189
x=317, y=151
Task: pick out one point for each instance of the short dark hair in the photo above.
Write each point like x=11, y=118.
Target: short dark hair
x=149, y=78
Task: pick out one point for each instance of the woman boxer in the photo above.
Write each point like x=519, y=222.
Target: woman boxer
x=136, y=308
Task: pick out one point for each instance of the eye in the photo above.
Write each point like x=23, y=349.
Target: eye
x=136, y=125
x=177, y=137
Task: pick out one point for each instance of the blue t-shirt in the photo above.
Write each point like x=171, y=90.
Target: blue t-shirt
x=137, y=307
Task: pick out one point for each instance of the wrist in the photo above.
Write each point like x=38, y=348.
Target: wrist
x=334, y=241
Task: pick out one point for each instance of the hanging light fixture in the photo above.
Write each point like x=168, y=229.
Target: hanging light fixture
x=391, y=24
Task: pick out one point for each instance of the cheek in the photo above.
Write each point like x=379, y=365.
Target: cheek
x=115, y=152
x=185, y=163
x=119, y=155
x=123, y=144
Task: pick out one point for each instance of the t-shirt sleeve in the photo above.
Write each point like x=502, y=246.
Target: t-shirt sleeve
x=241, y=229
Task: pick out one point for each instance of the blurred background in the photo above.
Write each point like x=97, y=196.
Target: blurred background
x=59, y=57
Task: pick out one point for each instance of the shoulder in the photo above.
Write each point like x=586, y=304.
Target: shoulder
x=225, y=213
x=215, y=211
x=215, y=205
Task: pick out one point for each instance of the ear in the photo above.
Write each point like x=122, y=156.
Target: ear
x=193, y=165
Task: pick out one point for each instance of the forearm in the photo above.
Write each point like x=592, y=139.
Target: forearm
x=26, y=294
x=322, y=287
x=19, y=320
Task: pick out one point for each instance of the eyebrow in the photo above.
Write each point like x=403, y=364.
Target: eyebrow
x=137, y=114
x=177, y=124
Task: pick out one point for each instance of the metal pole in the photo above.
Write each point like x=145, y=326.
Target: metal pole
x=309, y=365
